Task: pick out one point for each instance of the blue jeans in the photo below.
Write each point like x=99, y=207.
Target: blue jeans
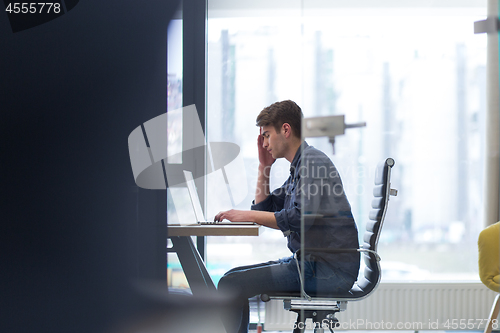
x=275, y=276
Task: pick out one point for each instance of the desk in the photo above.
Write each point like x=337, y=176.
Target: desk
x=192, y=264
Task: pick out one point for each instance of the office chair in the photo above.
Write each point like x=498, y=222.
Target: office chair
x=322, y=308
x=489, y=266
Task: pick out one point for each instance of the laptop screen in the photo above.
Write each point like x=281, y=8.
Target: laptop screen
x=193, y=194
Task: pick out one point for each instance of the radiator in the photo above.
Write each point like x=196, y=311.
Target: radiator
x=405, y=306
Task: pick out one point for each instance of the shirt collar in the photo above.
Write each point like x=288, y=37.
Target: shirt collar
x=296, y=159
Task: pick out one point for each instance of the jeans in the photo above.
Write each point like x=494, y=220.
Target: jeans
x=275, y=276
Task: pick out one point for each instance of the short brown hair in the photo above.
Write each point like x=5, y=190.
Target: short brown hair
x=279, y=113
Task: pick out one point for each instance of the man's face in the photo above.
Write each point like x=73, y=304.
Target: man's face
x=274, y=142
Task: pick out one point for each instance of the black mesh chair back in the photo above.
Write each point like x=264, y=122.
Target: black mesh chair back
x=381, y=193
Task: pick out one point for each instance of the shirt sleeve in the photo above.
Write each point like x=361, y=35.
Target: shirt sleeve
x=274, y=201
x=288, y=220
x=311, y=194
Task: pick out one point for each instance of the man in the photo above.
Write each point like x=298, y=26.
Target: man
x=314, y=189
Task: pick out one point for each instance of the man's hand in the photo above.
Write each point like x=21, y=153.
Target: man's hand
x=265, y=162
x=265, y=157
x=233, y=215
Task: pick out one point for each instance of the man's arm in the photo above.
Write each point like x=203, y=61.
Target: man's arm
x=262, y=190
x=263, y=218
x=265, y=162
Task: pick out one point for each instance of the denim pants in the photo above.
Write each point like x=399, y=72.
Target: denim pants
x=275, y=276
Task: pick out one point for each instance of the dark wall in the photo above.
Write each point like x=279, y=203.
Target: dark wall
x=75, y=228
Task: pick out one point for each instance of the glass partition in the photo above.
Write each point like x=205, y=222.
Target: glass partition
x=177, y=197
x=254, y=59
x=417, y=77
x=415, y=73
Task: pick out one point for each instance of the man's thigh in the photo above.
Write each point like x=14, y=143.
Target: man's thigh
x=253, y=266
x=273, y=276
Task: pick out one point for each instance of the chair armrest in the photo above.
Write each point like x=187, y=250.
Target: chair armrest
x=330, y=250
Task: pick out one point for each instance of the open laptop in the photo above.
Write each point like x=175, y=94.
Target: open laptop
x=198, y=211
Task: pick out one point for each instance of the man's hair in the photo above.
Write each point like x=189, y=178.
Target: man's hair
x=279, y=113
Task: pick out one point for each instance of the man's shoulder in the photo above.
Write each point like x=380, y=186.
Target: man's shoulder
x=316, y=164
x=312, y=153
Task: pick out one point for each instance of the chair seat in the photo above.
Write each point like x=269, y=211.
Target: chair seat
x=354, y=293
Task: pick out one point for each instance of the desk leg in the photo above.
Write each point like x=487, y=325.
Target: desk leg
x=193, y=266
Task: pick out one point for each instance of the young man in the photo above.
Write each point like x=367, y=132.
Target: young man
x=314, y=190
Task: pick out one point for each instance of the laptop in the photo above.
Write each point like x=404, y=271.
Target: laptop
x=198, y=211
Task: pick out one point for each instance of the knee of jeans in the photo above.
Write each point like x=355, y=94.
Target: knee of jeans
x=222, y=283
x=228, y=287
x=226, y=284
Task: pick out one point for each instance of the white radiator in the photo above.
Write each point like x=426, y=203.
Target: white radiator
x=405, y=306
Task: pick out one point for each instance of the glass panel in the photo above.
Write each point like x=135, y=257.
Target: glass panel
x=415, y=74
x=178, y=203
x=253, y=60
x=174, y=93
x=421, y=90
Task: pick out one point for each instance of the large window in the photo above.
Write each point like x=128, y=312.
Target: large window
x=415, y=74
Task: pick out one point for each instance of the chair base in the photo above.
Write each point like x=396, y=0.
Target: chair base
x=321, y=319
x=299, y=304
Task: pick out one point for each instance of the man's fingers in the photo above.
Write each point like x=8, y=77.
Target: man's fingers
x=260, y=139
x=220, y=216
x=217, y=217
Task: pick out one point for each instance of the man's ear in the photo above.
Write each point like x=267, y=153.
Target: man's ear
x=287, y=130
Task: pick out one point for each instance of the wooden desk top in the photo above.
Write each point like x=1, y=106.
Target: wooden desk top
x=214, y=230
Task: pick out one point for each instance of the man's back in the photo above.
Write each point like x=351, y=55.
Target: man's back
x=328, y=220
